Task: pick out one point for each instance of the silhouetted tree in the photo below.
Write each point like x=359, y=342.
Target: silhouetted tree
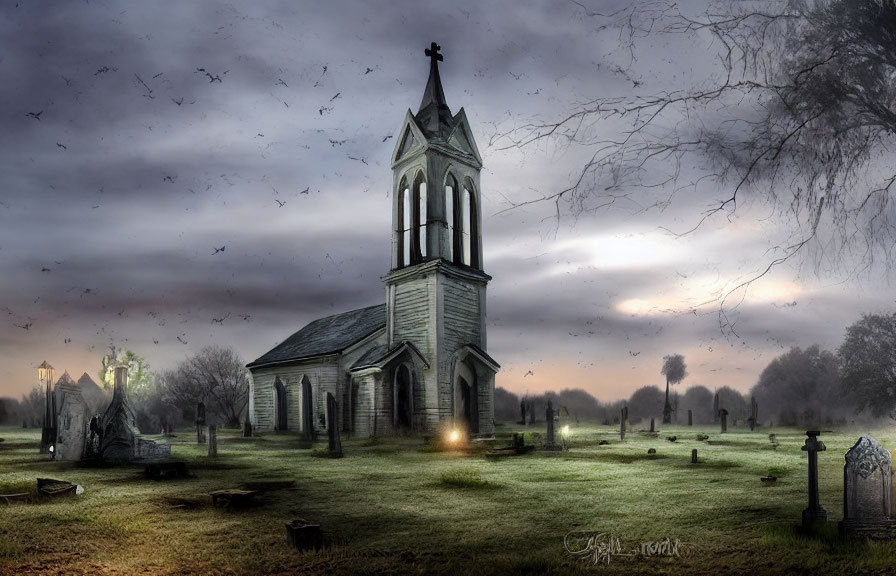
x=868, y=363
x=675, y=370
x=698, y=399
x=507, y=405
x=33, y=406
x=801, y=387
x=645, y=402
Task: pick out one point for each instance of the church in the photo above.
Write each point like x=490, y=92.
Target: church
x=418, y=362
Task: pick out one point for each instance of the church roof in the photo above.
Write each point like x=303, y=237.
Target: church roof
x=85, y=380
x=327, y=335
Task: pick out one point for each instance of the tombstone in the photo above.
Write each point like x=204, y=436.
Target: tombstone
x=212, y=440
x=623, y=416
x=814, y=514
x=715, y=408
x=754, y=413
x=303, y=535
x=867, y=492
x=200, y=423
x=519, y=440
x=652, y=426
x=72, y=421
x=694, y=456
x=690, y=417
x=334, y=444
x=723, y=417
x=550, y=443
x=247, y=429
x=523, y=412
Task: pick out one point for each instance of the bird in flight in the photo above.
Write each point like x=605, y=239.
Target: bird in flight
x=221, y=249
x=35, y=115
x=282, y=204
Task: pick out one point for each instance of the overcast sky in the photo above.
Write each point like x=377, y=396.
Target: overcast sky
x=138, y=139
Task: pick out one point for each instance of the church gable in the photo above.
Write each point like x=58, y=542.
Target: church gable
x=411, y=140
x=461, y=137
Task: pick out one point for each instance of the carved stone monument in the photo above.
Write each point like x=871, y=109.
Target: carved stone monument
x=814, y=514
x=867, y=492
x=72, y=421
x=116, y=433
x=119, y=439
x=723, y=417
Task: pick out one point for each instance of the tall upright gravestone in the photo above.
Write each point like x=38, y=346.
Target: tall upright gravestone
x=334, y=444
x=550, y=442
x=814, y=514
x=723, y=416
x=690, y=418
x=623, y=416
x=868, y=492
x=212, y=440
x=200, y=423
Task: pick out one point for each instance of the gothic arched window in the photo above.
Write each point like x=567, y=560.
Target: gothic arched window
x=470, y=226
x=404, y=224
x=418, y=247
x=450, y=202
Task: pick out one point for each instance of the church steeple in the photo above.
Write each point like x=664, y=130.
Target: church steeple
x=434, y=116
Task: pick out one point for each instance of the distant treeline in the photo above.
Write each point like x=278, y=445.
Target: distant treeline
x=802, y=387
x=645, y=403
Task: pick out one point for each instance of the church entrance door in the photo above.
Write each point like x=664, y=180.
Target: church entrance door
x=403, y=400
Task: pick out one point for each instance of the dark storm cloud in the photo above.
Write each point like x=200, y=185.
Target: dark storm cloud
x=141, y=165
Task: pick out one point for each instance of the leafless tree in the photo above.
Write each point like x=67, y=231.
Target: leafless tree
x=33, y=406
x=215, y=376
x=799, y=114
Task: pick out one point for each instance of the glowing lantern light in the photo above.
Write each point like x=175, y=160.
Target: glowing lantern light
x=454, y=436
x=565, y=430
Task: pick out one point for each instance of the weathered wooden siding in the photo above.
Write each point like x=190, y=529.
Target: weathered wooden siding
x=321, y=373
x=460, y=325
x=412, y=314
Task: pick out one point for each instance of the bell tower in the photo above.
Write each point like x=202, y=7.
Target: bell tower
x=436, y=287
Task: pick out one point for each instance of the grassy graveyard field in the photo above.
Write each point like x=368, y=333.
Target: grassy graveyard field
x=392, y=506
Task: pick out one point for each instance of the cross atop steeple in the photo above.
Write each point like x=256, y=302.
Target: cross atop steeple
x=433, y=113
x=433, y=52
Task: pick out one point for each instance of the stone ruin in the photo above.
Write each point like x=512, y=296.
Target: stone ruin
x=114, y=437
x=868, y=492
x=72, y=420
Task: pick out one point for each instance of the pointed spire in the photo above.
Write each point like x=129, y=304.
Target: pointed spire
x=433, y=113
